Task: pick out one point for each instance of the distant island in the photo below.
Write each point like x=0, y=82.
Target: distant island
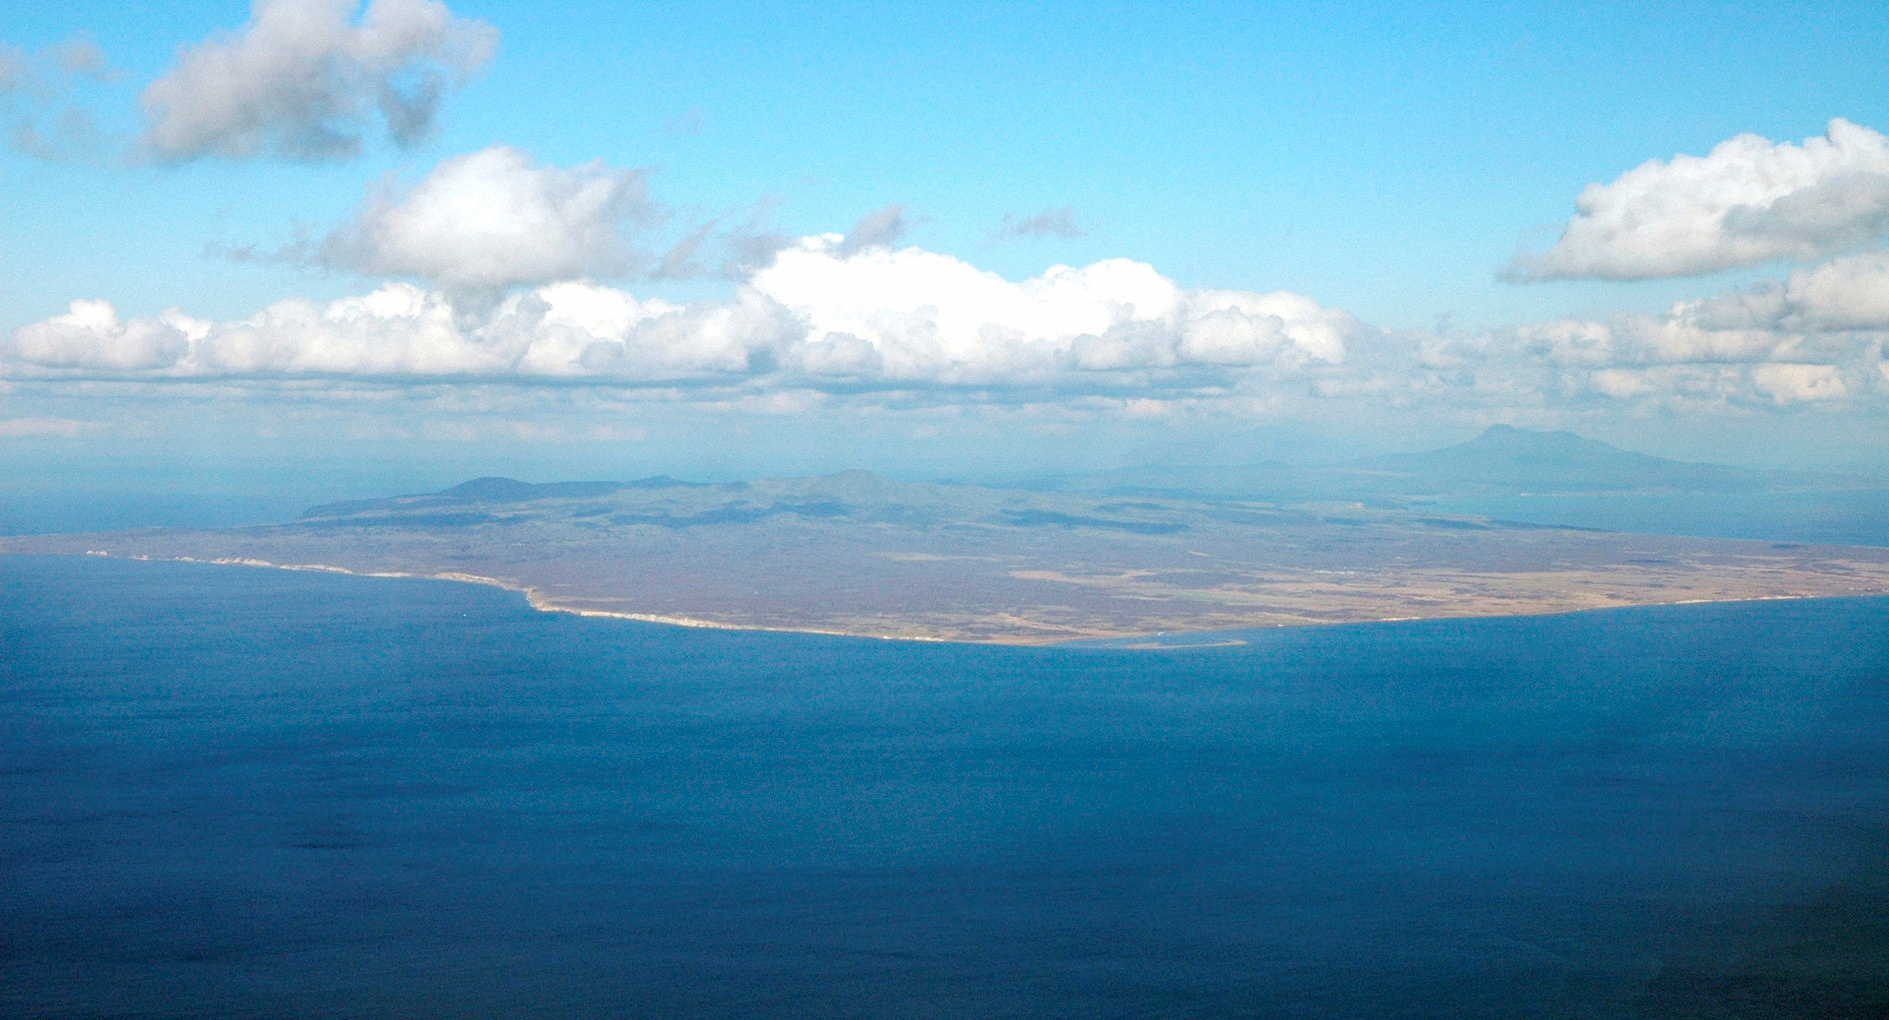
x=857, y=554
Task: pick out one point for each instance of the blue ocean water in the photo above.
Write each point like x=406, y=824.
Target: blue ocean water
x=241, y=792
x=1830, y=517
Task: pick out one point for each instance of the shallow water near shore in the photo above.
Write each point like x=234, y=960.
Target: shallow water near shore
x=251, y=792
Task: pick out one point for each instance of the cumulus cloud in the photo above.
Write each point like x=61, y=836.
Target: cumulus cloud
x=1846, y=293
x=1059, y=222
x=921, y=326
x=493, y=219
x=929, y=316
x=300, y=81
x=1819, y=335
x=91, y=337
x=817, y=316
x=1747, y=201
x=483, y=222
x=1840, y=297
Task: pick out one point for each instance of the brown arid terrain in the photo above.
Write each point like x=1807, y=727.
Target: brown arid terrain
x=859, y=555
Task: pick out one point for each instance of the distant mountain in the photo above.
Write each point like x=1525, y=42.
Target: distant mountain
x=859, y=496
x=1502, y=461
x=493, y=490
x=1506, y=458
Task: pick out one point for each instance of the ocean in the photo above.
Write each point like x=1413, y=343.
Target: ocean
x=1832, y=517
x=242, y=792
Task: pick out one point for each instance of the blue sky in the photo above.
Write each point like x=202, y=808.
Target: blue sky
x=1384, y=162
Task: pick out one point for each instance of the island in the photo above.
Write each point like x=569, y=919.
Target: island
x=857, y=554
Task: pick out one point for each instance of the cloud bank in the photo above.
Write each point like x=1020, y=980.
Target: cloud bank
x=300, y=82
x=1746, y=202
x=1819, y=336
x=818, y=316
x=904, y=325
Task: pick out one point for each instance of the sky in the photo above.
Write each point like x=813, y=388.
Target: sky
x=384, y=243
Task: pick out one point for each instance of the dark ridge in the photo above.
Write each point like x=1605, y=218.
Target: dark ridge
x=489, y=490
x=1048, y=518
x=1532, y=526
x=666, y=482
x=347, y=508
x=820, y=508
x=494, y=489
x=441, y=520
x=735, y=513
x=1453, y=524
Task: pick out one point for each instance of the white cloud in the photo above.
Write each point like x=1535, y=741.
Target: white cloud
x=1819, y=335
x=932, y=317
x=1847, y=293
x=1793, y=383
x=1748, y=201
x=90, y=337
x=878, y=318
x=1842, y=296
x=299, y=81
x=907, y=327
x=492, y=219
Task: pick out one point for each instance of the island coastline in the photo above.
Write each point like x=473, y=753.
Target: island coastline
x=537, y=600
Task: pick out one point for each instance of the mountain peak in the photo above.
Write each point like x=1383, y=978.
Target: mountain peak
x=1510, y=457
x=1518, y=434
x=1514, y=440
